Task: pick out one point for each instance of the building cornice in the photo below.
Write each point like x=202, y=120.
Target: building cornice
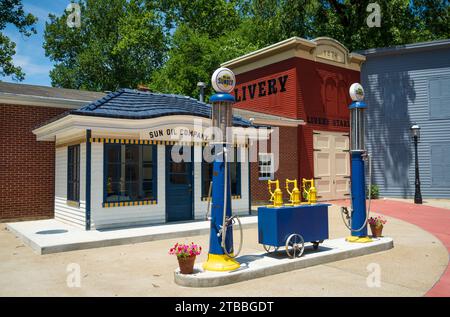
x=322, y=50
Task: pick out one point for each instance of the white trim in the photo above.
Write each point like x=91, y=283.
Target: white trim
x=77, y=122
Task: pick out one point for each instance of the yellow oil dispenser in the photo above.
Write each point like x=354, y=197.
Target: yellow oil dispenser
x=294, y=195
x=276, y=196
x=309, y=190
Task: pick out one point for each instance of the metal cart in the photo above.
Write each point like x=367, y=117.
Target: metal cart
x=291, y=226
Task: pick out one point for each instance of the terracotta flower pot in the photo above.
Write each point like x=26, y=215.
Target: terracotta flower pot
x=186, y=264
x=376, y=230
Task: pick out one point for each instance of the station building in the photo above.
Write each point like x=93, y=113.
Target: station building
x=135, y=157
x=300, y=86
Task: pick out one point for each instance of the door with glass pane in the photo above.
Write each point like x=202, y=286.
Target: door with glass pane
x=179, y=179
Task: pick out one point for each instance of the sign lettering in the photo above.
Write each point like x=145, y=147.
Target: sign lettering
x=327, y=121
x=261, y=89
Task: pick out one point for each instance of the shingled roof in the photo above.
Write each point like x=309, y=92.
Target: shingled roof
x=134, y=104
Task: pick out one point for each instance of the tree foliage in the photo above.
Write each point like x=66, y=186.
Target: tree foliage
x=172, y=44
x=120, y=44
x=402, y=21
x=11, y=12
x=193, y=57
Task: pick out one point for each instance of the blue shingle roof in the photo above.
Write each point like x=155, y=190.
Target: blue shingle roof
x=134, y=104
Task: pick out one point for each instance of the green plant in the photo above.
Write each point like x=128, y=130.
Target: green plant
x=373, y=192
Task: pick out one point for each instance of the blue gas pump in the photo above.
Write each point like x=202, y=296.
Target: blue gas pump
x=356, y=219
x=221, y=256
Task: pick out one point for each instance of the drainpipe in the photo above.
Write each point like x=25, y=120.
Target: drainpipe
x=201, y=85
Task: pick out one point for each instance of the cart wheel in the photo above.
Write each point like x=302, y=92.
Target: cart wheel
x=316, y=245
x=295, y=245
x=270, y=248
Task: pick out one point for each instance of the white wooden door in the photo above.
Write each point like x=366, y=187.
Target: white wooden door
x=331, y=165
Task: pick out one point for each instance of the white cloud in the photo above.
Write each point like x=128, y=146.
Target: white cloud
x=40, y=13
x=30, y=67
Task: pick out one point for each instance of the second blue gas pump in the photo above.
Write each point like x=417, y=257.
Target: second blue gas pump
x=356, y=219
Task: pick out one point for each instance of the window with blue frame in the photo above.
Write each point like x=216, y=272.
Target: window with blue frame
x=129, y=172
x=207, y=171
x=73, y=173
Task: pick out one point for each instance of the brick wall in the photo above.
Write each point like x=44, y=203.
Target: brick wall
x=288, y=166
x=281, y=103
x=26, y=166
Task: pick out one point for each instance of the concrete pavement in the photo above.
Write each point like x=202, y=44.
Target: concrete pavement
x=53, y=236
x=145, y=269
x=432, y=219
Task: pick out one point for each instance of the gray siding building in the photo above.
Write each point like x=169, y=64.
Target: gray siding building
x=405, y=85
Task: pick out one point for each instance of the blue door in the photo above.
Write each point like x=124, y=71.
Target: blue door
x=179, y=191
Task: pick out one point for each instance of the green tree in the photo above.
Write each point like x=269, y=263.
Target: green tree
x=202, y=35
x=271, y=21
x=402, y=21
x=11, y=12
x=211, y=17
x=193, y=57
x=120, y=43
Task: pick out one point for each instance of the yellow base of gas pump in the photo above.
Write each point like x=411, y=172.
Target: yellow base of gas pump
x=220, y=263
x=358, y=239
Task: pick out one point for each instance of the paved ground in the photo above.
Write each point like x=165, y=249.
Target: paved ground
x=434, y=220
x=410, y=269
x=439, y=203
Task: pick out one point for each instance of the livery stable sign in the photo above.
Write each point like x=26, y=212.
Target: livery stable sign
x=262, y=88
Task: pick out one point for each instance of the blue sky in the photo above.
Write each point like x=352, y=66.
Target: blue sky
x=29, y=52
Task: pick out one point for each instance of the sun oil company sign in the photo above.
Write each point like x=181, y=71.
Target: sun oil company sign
x=188, y=133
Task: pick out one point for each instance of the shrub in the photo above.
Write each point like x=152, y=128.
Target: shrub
x=373, y=192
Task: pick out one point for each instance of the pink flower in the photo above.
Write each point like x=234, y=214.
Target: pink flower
x=184, y=250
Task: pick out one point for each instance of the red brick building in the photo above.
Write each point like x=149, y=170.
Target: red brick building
x=301, y=87
x=27, y=167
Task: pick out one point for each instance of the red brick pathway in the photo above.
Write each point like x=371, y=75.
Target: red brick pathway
x=432, y=219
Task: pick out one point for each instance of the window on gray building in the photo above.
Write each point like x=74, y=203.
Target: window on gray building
x=440, y=164
x=439, y=98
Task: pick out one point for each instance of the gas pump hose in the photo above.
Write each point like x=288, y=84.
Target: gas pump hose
x=226, y=223
x=369, y=158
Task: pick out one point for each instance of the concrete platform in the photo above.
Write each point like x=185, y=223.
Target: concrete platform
x=53, y=236
x=262, y=264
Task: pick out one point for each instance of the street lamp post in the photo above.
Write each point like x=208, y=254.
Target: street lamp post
x=415, y=131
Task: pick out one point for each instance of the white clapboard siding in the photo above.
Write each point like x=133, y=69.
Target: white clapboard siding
x=68, y=214
x=64, y=212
